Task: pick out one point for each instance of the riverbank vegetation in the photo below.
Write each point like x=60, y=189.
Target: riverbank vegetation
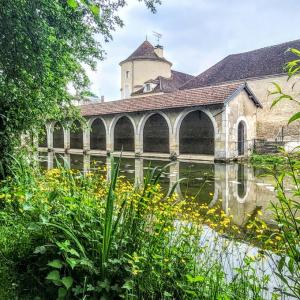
x=66, y=235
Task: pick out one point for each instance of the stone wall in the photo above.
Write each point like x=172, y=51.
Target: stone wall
x=241, y=109
x=271, y=121
x=140, y=71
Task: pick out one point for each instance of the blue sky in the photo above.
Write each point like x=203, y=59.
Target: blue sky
x=196, y=34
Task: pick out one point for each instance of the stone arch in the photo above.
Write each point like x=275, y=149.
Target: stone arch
x=58, y=135
x=76, y=135
x=43, y=137
x=154, y=131
x=122, y=133
x=195, y=132
x=97, y=134
x=241, y=136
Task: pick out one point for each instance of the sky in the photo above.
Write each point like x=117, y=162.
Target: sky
x=196, y=34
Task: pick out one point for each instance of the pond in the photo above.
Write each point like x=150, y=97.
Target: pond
x=239, y=187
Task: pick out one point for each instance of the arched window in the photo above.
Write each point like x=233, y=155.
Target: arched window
x=76, y=136
x=58, y=136
x=43, y=138
x=196, y=135
x=156, y=135
x=98, y=135
x=241, y=138
x=124, y=135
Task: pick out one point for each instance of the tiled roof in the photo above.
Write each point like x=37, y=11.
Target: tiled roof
x=257, y=63
x=187, y=98
x=166, y=85
x=145, y=51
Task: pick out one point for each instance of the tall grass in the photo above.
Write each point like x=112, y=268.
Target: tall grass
x=78, y=236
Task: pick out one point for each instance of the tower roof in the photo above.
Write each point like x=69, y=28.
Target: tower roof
x=145, y=51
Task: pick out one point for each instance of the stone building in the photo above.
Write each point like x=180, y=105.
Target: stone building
x=216, y=115
x=147, y=71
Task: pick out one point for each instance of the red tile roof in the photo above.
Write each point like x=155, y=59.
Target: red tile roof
x=145, y=51
x=186, y=98
x=166, y=85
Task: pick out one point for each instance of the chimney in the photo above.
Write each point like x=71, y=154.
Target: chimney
x=102, y=99
x=159, y=50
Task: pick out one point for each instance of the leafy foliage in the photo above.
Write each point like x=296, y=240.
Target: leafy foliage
x=288, y=208
x=43, y=47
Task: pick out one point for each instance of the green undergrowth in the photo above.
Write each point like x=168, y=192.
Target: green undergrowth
x=281, y=159
x=67, y=235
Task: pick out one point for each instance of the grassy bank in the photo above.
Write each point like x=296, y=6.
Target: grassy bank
x=280, y=158
x=65, y=235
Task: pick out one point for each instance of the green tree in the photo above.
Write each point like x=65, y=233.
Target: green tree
x=43, y=47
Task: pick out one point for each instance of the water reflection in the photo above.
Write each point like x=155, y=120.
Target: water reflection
x=241, y=192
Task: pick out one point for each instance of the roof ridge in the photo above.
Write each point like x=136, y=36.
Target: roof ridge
x=265, y=47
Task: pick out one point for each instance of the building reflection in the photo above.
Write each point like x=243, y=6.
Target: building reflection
x=233, y=185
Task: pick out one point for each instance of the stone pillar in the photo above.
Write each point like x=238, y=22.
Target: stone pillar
x=50, y=160
x=174, y=177
x=67, y=138
x=221, y=138
x=86, y=163
x=49, y=136
x=86, y=138
x=139, y=172
x=109, y=138
x=138, y=143
x=174, y=142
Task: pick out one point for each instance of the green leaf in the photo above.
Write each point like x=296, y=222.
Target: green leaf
x=295, y=117
x=277, y=87
x=282, y=97
x=95, y=10
x=56, y=263
x=167, y=294
x=40, y=249
x=72, y=3
x=128, y=285
x=295, y=51
x=67, y=281
x=62, y=292
x=74, y=252
x=281, y=264
x=192, y=279
x=53, y=276
x=72, y=262
x=27, y=206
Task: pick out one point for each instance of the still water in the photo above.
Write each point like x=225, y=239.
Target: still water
x=239, y=187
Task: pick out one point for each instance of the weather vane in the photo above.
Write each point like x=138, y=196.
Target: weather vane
x=158, y=36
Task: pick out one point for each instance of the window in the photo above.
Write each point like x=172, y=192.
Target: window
x=127, y=74
x=148, y=87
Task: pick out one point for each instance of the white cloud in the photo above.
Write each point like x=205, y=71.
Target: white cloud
x=197, y=33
